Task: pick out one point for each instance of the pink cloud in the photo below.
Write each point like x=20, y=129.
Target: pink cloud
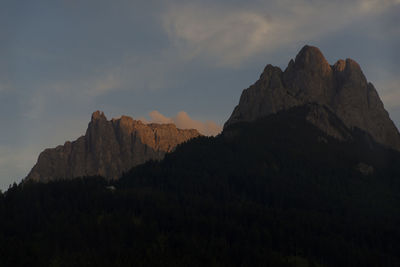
x=183, y=121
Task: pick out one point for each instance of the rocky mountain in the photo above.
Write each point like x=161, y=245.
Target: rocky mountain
x=338, y=100
x=295, y=179
x=277, y=192
x=341, y=88
x=109, y=148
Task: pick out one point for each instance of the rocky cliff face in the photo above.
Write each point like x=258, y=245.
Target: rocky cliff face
x=342, y=88
x=108, y=149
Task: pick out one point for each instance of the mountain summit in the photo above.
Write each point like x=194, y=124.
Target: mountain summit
x=109, y=148
x=342, y=88
x=337, y=99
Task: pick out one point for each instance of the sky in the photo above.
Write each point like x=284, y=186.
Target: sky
x=167, y=61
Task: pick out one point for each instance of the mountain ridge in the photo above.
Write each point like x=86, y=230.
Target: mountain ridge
x=295, y=187
x=109, y=148
x=309, y=78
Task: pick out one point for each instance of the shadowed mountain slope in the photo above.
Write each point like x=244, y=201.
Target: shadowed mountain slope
x=277, y=191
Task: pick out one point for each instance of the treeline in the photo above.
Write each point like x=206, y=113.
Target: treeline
x=268, y=193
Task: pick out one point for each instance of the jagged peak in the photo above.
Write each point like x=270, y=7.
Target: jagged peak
x=348, y=65
x=133, y=124
x=309, y=78
x=109, y=148
x=310, y=57
x=349, y=71
x=309, y=51
x=269, y=71
x=352, y=66
x=339, y=66
x=271, y=68
x=98, y=115
x=126, y=119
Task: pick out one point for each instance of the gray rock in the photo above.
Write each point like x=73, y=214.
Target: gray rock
x=342, y=88
x=109, y=148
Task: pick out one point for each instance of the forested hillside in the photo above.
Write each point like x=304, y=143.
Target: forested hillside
x=274, y=192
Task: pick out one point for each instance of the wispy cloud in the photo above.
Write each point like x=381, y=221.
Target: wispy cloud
x=230, y=36
x=135, y=72
x=183, y=121
x=111, y=81
x=93, y=84
x=374, y=6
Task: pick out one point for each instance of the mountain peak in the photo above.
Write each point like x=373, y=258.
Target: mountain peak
x=342, y=88
x=352, y=67
x=109, y=148
x=311, y=58
x=339, y=66
x=311, y=52
x=346, y=65
x=98, y=115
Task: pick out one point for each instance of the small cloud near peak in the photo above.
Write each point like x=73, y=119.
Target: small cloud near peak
x=157, y=117
x=183, y=121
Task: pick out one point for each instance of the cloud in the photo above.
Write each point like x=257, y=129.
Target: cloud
x=157, y=117
x=96, y=83
x=230, y=36
x=377, y=5
x=183, y=121
x=111, y=81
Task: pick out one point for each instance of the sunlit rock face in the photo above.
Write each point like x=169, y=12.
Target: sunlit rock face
x=342, y=88
x=109, y=148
